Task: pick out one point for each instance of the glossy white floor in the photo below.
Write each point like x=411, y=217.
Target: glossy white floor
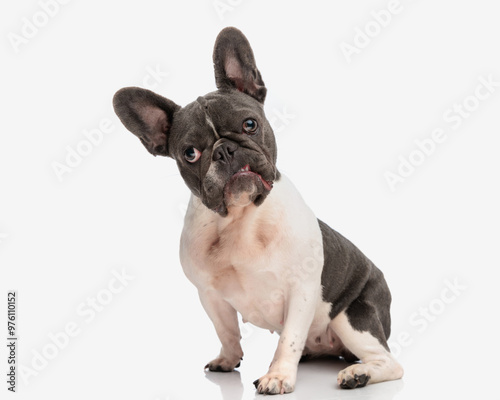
x=426, y=376
x=316, y=380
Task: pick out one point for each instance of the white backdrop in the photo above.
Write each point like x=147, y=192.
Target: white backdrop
x=386, y=117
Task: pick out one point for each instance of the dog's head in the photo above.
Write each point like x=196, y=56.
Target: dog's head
x=223, y=144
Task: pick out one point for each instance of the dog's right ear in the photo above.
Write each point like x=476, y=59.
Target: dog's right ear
x=148, y=116
x=234, y=64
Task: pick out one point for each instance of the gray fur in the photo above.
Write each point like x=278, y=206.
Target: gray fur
x=353, y=283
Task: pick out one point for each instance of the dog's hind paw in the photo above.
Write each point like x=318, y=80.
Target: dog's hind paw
x=353, y=377
x=222, y=364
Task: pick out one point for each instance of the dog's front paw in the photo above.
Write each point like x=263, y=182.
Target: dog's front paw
x=222, y=364
x=275, y=383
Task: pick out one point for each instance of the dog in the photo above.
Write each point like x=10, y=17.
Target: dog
x=250, y=244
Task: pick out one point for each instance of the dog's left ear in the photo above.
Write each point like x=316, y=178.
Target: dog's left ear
x=148, y=116
x=234, y=65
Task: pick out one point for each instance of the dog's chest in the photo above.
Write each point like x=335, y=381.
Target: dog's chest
x=243, y=260
x=252, y=257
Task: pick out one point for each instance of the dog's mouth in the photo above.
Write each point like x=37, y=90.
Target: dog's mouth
x=243, y=188
x=246, y=171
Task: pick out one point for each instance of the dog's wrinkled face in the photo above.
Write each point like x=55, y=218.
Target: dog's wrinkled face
x=225, y=149
x=223, y=144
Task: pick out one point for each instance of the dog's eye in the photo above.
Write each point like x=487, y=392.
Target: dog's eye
x=192, y=154
x=250, y=126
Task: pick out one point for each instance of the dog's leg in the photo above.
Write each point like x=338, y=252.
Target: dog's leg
x=282, y=372
x=225, y=320
x=378, y=364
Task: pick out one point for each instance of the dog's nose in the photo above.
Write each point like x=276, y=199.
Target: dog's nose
x=224, y=152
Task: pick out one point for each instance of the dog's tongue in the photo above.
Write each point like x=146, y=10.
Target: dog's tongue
x=247, y=171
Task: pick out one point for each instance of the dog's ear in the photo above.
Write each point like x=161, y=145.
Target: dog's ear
x=234, y=64
x=147, y=115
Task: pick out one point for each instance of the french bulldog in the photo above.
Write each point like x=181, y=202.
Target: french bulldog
x=250, y=244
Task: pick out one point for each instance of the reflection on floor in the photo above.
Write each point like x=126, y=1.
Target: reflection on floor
x=317, y=380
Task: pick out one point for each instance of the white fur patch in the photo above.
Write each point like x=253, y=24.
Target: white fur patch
x=265, y=262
